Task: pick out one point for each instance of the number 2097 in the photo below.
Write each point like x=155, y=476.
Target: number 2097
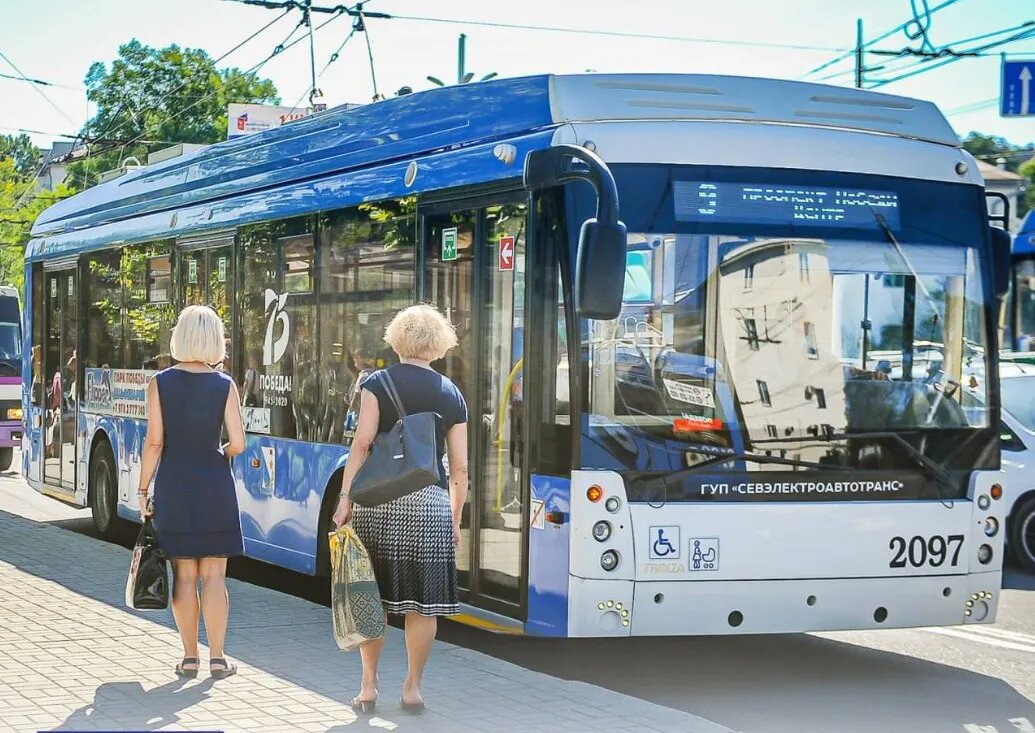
x=921, y=551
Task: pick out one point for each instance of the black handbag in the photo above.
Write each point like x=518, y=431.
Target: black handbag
x=401, y=461
x=147, y=588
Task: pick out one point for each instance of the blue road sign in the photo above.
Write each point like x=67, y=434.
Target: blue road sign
x=1017, y=97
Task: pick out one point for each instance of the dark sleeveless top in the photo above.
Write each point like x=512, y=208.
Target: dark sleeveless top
x=194, y=486
x=420, y=390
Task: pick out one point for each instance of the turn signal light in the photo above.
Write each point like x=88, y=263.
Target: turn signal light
x=996, y=491
x=594, y=493
x=14, y=413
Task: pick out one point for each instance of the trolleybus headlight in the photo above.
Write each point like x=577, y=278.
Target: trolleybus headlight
x=609, y=560
x=14, y=413
x=991, y=526
x=594, y=493
x=602, y=530
x=985, y=554
x=613, y=504
x=984, y=502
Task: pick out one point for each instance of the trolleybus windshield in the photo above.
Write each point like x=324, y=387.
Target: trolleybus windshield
x=759, y=314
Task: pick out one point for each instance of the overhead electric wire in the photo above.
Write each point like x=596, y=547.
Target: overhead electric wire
x=201, y=98
x=930, y=66
x=616, y=34
x=888, y=34
x=35, y=86
x=41, y=82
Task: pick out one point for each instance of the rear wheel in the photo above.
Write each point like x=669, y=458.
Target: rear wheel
x=104, y=493
x=1022, y=534
x=330, y=503
x=6, y=458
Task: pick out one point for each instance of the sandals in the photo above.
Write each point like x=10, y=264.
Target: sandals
x=228, y=670
x=413, y=708
x=366, y=707
x=182, y=671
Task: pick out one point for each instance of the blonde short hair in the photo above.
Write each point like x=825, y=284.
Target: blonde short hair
x=198, y=336
x=420, y=332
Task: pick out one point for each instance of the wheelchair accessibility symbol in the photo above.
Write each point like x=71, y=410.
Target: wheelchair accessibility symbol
x=664, y=543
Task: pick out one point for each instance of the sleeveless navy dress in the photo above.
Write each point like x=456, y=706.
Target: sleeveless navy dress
x=195, y=501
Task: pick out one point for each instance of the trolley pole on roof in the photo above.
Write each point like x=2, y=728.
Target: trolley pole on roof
x=461, y=54
x=858, y=53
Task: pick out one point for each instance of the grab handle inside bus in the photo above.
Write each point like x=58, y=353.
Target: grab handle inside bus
x=600, y=262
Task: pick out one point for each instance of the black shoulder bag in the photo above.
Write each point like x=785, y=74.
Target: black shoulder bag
x=401, y=461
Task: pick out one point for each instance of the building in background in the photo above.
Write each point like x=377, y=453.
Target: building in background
x=1000, y=180
x=54, y=165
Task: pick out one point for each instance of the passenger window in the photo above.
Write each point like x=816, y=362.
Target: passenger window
x=281, y=385
x=103, y=345
x=367, y=274
x=149, y=316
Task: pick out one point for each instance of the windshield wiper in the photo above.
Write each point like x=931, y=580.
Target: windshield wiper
x=942, y=478
x=661, y=479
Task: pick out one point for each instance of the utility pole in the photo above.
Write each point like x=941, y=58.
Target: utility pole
x=858, y=53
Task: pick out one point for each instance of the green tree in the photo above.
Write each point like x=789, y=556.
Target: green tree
x=20, y=204
x=160, y=96
x=20, y=149
x=1020, y=159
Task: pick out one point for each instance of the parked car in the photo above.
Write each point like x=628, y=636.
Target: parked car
x=1017, y=433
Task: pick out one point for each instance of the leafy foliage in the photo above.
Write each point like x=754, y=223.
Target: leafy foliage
x=160, y=97
x=20, y=204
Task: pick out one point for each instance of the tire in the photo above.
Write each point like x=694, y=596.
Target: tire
x=323, y=549
x=6, y=458
x=104, y=492
x=1022, y=534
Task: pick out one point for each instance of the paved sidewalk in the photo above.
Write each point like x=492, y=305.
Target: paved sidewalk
x=72, y=657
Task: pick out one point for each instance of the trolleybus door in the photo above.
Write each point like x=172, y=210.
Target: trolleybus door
x=61, y=377
x=474, y=272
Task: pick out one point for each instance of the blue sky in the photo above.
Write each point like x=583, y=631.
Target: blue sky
x=57, y=40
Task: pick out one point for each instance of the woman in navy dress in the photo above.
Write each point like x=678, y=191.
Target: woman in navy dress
x=412, y=541
x=195, y=501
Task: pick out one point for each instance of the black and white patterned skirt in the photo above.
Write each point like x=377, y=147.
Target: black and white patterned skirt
x=410, y=541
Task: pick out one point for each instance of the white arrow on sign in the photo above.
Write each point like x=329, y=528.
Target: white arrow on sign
x=1025, y=78
x=506, y=253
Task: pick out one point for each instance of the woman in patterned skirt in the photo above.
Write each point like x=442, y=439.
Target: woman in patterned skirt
x=412, y=541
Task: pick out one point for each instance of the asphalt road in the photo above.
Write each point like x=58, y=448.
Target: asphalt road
x=972, y=680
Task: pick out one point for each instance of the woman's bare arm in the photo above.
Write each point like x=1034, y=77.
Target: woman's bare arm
x=153, y=442
x=234, y=423
x=456, y=446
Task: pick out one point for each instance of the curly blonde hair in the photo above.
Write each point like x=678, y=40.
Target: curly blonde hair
x=420, y=332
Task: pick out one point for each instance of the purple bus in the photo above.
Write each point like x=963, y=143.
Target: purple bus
x=10, y=375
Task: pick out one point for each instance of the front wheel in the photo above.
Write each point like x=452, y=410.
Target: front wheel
x=6, y=458
x=104, y=493
x=1022, y=534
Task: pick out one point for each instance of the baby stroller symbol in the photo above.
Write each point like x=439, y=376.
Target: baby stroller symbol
x=662, y=547
x=706, y=558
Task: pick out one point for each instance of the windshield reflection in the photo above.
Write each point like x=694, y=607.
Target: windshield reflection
x=727, y=344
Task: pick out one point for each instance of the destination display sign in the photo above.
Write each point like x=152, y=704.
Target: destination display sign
x=767, y=203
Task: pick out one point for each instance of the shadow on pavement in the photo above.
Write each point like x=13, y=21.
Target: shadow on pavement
x=776, y=684
x=129, y=706
x=754, y=684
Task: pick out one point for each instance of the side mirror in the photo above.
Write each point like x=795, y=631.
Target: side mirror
x=600, y=263
x=600, y=270
x=1001, y=257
